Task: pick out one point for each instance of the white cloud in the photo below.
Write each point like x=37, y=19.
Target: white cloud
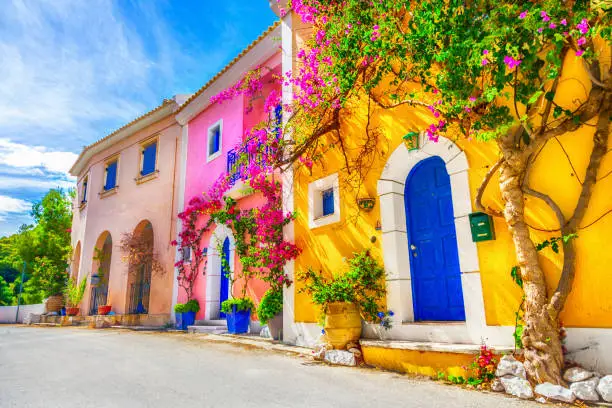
x=13, y=205
x=33, y=184
x=23, y=156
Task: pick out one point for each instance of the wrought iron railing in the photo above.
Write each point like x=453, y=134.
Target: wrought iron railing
x=139, y=298
x=99, y=296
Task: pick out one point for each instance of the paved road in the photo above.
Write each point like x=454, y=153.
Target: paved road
x=65, y=367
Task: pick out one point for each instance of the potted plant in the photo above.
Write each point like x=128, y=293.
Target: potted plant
x=270, y=311
x=104, y=309
x=74, y=295
x=185, y=313
x=347, y=298
x=238, y=314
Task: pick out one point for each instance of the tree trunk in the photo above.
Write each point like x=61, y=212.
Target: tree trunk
x=543, y=352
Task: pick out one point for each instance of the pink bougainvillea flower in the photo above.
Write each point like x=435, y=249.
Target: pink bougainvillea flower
x=485, y=62
x=563, y=22
x=581, y=41
x=468, y=109
x=510, y=62
x=545, y=16
x=523, y=15
x=472, y=99
x=485, y=52
x=552, y=26
x=583, y=26
x=579, y=53
x=540, y=29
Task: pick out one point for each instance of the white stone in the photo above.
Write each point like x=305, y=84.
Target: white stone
x=604, y=388
x=586, y=390
x=576, y=374
x=541, y=400
x=555, y=392
x=497, y=386
x=517, y=386
x=508, y=365
x=265, y=332
x=340, y=357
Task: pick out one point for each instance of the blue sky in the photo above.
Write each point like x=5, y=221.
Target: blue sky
x=72, y=71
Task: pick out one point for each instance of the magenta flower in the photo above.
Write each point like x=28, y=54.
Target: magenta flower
x=581, y=41
x=583, y=26
x=472, y=99
x=552, y=26
x=468, y=109
x=484, y=62
x=564, y=22
x=579, y=53
x=545, y=16
x=523, y=15
x=485, y=52
x=540, y=30
x=510, y=62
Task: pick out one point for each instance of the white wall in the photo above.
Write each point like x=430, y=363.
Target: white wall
x=7, y=313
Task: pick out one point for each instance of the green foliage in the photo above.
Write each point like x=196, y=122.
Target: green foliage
x=456, y=379
x=190, y=306
x=363, y=284
x=242, y=303
x=75, y=291
x=270, y=305
x=6, y=295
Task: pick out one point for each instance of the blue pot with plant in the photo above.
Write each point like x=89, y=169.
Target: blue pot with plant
x=187, y=312
x=238, y=314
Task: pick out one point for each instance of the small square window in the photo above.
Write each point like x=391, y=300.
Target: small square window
x=84, y=186
x=110, y=176
x=328, y=201
x=149, y=158
x=214, y=141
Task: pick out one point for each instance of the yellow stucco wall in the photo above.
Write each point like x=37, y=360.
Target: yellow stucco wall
x=589, y=305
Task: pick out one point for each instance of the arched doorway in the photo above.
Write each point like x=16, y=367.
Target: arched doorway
x=224, y=287
x=432, y=243
x=101, y=272
x=140, y=269
x=76, y=262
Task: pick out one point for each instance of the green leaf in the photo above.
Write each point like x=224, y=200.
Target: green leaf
x=549, y=96
x=534, y=98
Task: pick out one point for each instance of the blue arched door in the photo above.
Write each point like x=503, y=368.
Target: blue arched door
x=224, y=287
x=432, y=243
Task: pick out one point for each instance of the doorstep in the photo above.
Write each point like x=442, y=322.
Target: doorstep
x=254, y=341
x=423, y=358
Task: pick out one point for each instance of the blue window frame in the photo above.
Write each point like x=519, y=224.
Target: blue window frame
x=149, y=153
x=111, y=175
x=328, y=201
x=84, y=193
x=214, y=140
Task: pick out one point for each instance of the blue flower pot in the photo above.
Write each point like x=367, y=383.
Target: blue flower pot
x=188, y=319
x=178, y=317
x=238, y=322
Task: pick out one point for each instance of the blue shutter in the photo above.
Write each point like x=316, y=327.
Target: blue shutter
x=328, y=202
x=216, y=140
x=111, y=176
x=148, y=159
x=84, y=198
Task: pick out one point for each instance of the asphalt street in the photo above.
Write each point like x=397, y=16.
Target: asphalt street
x=78, y=367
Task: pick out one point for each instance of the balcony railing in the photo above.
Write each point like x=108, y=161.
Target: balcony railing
x=236, y=168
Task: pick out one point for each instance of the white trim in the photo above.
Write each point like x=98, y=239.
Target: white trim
x=257, y=55
x=395, y=243
x=316, y=218
x=213, y=269
x=211, y=157
x=180, y=208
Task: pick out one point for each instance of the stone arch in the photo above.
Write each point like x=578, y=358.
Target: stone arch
x=140, y=276
x=390, y=188
x=100, y=271
x=213, y=269
x=76, y=261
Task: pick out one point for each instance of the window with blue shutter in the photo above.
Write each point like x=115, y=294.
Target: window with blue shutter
x=149, y=154
x=328, y=202
x=84, y=195
x=111, y=176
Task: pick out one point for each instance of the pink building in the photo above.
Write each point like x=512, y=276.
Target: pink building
x=211, y=133
x=128, y=183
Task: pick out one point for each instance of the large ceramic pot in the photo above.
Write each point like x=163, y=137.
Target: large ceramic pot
x=342, y=324
x=54, y=304
x=178, y=317
x=238, y=321
x=72, y=311
x=187, y=319
x=275, y=325
x=104, y=310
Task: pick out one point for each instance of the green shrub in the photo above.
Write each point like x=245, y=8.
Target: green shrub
x=192, y=306
x=271, y=304
x=363, y=285
x=179, y=308
x=74, y=292
x=241, y=304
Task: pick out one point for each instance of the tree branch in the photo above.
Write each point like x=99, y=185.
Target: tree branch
x=481, y=189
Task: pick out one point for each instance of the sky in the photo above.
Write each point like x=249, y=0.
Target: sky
x=72, y=71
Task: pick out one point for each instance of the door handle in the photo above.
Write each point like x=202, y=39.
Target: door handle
x=413, y=248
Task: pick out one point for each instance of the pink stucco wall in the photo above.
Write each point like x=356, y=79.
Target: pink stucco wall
x=200, y=175
x=154, y=201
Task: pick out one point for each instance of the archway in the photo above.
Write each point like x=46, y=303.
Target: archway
x=76, y=262
x=103, y=252
x=394, y=225
x=221, y=238
x=140, y=268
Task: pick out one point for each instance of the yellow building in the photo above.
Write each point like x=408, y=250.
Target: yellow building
x=481, y=296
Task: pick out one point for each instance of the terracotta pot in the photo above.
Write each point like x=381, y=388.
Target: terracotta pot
x=342, y=324
x=276, y=326
x=54, y=304
x=104, y=310
x=73, y=311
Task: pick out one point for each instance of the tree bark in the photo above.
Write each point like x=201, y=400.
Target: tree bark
x=543, y=351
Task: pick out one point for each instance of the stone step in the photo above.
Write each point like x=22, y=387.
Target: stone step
x=219, y=322
x=207, y=329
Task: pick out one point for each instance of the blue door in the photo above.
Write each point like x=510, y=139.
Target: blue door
x=432, y=243
x=224, y=288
